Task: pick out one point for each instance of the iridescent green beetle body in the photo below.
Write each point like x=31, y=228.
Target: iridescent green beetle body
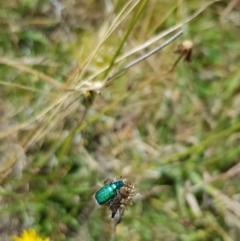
x=108, y=192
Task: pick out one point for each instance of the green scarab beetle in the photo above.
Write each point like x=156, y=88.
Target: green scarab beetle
x=108, y=192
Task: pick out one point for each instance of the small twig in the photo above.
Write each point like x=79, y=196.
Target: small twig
x=136, y=61
x=117, y=219
x=113, y=232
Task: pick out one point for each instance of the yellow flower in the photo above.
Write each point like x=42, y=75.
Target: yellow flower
x=29, y=235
